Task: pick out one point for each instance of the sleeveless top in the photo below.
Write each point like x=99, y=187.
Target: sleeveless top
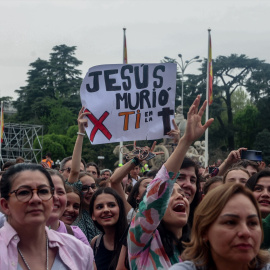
x=103, y=256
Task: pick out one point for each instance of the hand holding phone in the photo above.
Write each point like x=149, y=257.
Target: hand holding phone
x=253, y=155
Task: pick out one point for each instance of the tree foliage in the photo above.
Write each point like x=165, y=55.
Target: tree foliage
x=240, y=107
x=231, y=73
x=51, y=96
x=245, y=126
x=262, y=143
x=234, y=75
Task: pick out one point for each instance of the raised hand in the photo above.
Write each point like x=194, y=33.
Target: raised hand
x=82, y=121
x=234, y=156
x=146, y=148
x=175, y=133
x=194, y=127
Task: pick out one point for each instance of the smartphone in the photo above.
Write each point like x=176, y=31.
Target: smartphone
x=211, y=169
x=150, y=156
x=253, y=155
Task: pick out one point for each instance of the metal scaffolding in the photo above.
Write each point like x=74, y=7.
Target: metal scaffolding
x=18, y=140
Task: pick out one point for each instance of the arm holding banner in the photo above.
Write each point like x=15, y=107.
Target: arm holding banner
x=77, y=151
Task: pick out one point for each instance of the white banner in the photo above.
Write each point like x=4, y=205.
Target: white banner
x=129, y=102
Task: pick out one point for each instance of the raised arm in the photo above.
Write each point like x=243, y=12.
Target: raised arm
x=232, y=158
x=155, y=202
x=117, y=178
x=77, y=151
x=194, y=130
x=174, y=133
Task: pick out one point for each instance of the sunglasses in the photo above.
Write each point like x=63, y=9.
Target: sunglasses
x=85, y=188
x=67, y=169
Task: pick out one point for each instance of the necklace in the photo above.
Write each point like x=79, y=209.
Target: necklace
x=47, y=261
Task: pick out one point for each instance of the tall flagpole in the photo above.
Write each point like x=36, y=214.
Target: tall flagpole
x=124, y=62
x=209, y=52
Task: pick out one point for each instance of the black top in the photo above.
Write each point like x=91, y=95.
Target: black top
x=103, y=256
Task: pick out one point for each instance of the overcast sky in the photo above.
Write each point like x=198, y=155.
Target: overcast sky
x=30, y=29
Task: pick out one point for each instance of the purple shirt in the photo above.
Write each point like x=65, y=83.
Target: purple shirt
x=76, y=230
x=73, y=253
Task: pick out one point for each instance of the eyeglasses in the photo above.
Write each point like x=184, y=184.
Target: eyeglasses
x=85, y=188
x=67, y=169
x=25, y=194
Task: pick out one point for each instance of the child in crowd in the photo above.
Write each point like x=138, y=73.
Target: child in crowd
x=73, y=207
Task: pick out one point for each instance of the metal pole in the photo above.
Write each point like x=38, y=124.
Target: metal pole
x=207, y=107
x=124, y=62
x=182, y=92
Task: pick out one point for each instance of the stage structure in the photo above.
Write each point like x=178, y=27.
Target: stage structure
x=19, y=141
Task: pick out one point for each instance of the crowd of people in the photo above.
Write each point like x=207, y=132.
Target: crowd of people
x=179, y=216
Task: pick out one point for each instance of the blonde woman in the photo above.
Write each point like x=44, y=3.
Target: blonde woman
x=226, y=233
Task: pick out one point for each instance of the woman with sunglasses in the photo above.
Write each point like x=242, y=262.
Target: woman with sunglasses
x=25, y=241
x=85, y=222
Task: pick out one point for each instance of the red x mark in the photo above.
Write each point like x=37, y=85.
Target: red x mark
x=98, y=125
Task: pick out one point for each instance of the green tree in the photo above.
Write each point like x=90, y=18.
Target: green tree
x=59, y=145
x=239, y=100
x=52, y=91
x=230, y=74
x=245, y=122
x=37, y=89
x=262, y=143
x=258, y=85
x=65, y=77
x=263, y=120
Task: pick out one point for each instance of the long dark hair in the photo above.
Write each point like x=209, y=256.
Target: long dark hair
x=253, y=180
x=168, y=238
x=120, y=226
x=134, y=193
x=187, y=163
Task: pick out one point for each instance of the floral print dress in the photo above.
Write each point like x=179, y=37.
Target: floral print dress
x=145, y=247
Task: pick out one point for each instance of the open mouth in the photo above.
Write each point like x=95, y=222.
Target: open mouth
x=107, y=217
x=264, y=202
x=179, y=208
x=69, y=217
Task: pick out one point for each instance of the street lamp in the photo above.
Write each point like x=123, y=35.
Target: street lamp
x=183, y=65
